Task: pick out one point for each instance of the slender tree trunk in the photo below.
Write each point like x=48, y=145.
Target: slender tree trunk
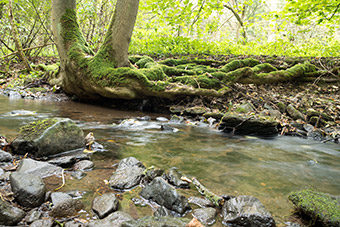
x=15, y=35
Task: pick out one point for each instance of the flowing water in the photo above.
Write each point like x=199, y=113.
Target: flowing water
x=268, y=169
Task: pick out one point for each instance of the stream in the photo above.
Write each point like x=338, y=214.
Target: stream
x=268, y=169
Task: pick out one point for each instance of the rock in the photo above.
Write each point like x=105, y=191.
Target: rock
x=10, y=215
x=157, y=222
x=32, y=215
x=308, y=127
x=66, y=208
x=83, y=165
x=162, y=211
x=242, y=125
x=176, y=119
x=201, y=202
x=152, y=174
x=282, y=107
x=144, y=118
x=176, y=109
x=48, y=137
x=42, y=223
x=320, y=207
x=59, y=197
x=29, y=190
x=316, y=134
x=165, y=195
x=275, y=114
x=78, y=174
x=246, y=211
x=174, y=178
x=245, y=108
x=196, y=110
x=5, y=156
x=294, y=113
x=105, y=204
x=41, y=169
x=74, y=224
x=168, y=128
x=216, y=115
x=205, y=215
x=314, y=113
x=162, y=119
x=128, y=174
x=69, y=160
x=113, y=220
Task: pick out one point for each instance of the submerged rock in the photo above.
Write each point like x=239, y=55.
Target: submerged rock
x=248, y=125
x=246, y=211
x=165, y=195
x=105, y=204
x=29, y=190
x=157, y=222
x=113, y=220
x=41, y=169
x=320, y=207
x=48, y=137
x=128, y=174
x=200, y=202
x=10, y=215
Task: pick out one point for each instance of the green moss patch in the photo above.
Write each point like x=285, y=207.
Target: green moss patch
x=36, y=129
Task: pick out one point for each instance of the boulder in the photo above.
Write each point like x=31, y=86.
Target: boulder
x=320, y=207
x=246, y=211
x=69, y=160
x=42, y=223
x=105, y=204
x=32, y=216
x=29, y=190
x=157, y=222
x=59, y=197
x=165, y=195
x=66, y=208
x=41, y=169
x=294, y=113
x=174, y=178
x=48, y=137
x=162, y=211
x=83, y=165
x=249, y=125
x=113, y=220
x=10, y=215
x=205, y=215
x=201, y=202
x=245, y=108
x=5, y=156
x=128, y=174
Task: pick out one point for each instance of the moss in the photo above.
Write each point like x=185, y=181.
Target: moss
x=37, y=89
x=317, y=205
x=35, y=129
x=134, y=58
x=202, y=81
x=236, y=64
x=154, y=73
x=143, y=61
x=264, y=68
x=49, y=68
x=173, y=71
x=173, y=62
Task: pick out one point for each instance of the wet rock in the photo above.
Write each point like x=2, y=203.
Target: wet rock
x=308, y=127
x=316, y=121
x=78, y=174
x=168, y=128
x=162, y=119
x=313, y=113
x=74, y=224
x=245, y=108
x=162, y=211
x=10, y=215
x=59, y=197
x=83, y=165
x=196, y=110
x=29, y=190
x=174, y=178
x=246, y=211
x=176, y=109
x=68, y=161
x=66, y=208
x=152, y=174
x=316, y=134
x=318, y=206
x=128, y=174
x=176, y=119
x=294, y=113
x=144, y=118
x=245, y=125
x=5, y=156
x=282, y=107
x=205, y=215
x=216, y=115
x=32, y=215
x=48, y=137
x=201, y=202
x=105, y=204
x=157, y=222
x=113, y=220
x=275, y=114
x=42, y=223
x=165, y=195
x=290, y=224
x=41, y=169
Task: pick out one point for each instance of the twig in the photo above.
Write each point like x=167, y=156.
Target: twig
x=63, y=176
x=26, y=49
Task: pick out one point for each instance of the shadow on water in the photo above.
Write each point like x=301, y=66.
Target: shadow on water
x=268, y=169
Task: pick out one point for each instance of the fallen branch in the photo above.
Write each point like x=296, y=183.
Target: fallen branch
x=26, y=49
x=215, y=199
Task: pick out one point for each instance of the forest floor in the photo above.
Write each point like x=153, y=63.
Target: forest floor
x=309, y=110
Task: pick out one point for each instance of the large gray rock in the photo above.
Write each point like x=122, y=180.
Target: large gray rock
x=41, y=169
x=205, y=215
x=83, y=165
x=10, y=215
x=128, y=174
x=5, y=156
x=29, y=190
x=113, y=220
x=165, y=195
x=66, y=208
x=174, y=178
x=48, y=137
x=246, y=211
x=69, y=160
x=59, y=197
x=248, y=125
x=105, y=204
x=42, y=223
x=157, y=222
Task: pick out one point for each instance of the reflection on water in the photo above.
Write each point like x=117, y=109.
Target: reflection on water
x=266, y=169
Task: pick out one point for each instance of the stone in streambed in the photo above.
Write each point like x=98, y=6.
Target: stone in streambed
x=66, y=208
x=174, y=178
x=157, y=222
x=83, y=165
x=246, y=211
x=29, y=190
x=115, y=219
x=48, y=137
x=69, y=160
x=42, y=223
x=38, y=168
x=165, y=195
x=105, y=204
x=205, y=215
x=10, y=215
x=201, y=202
x=5, y=156
x=294, y=113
